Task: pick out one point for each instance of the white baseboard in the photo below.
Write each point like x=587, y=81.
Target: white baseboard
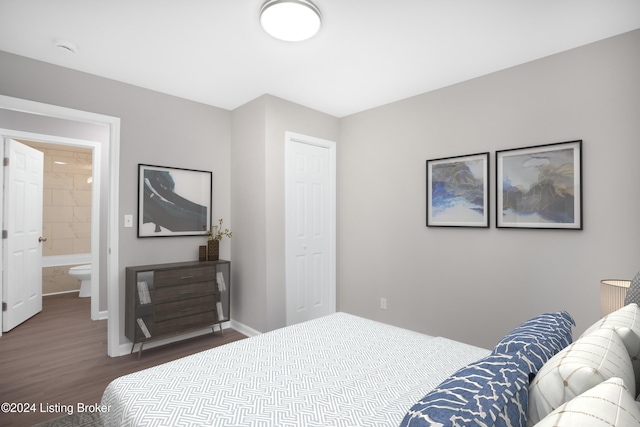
x=244, y=329
x=77, y=291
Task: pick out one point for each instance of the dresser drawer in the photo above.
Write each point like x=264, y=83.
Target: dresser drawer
x=183, y=275
x=187, y=307
x=185, y=323
x=182, y=297
x=176, y=293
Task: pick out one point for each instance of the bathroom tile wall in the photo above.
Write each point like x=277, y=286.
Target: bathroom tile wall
x=66, y=210
x=57, y=279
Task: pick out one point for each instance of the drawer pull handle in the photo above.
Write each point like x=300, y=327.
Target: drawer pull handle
x=186, y=309
x=187, y=277
x=185, y=293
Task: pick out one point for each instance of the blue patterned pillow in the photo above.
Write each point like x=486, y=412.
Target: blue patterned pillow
x=490, y=392
x=539, y=338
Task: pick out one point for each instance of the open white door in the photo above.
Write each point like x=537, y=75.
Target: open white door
x=310, y=219
x=22, y=233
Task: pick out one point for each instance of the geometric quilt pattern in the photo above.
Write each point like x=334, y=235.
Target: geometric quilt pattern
x=338, y=370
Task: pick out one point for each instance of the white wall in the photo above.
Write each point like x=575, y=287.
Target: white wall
x=474, y=285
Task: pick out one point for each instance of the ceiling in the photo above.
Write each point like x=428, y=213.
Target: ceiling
x=368, y=52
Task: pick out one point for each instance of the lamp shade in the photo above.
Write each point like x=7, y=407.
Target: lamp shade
x=612, y=295
x=290, y=20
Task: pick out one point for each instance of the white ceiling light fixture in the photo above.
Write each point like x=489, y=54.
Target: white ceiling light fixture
x=290, y=20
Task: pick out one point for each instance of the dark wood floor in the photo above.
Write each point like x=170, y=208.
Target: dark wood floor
x=60, y=357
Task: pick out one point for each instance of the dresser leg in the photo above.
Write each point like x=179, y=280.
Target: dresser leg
x=213, y=329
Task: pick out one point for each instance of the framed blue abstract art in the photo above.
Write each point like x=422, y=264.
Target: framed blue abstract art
x=540, y=186
x=458, y=191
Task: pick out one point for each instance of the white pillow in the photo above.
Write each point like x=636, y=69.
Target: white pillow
x=626, y=322
x=607, y=404
x=577, y=368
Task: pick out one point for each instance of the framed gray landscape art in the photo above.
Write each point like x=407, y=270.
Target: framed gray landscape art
x=540, y=186
x=173, y=201
x=458, y=191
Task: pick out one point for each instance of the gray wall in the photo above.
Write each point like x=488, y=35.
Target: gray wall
x=248, y=209
x=284, y=116
x=156, y=129
x=258, y=203
x=36, y=124
x=474, y=285
x=467, y=284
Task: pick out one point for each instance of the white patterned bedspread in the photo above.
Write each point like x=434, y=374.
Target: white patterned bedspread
x=339, y=370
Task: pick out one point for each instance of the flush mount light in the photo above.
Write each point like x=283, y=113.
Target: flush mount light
x=290, y=20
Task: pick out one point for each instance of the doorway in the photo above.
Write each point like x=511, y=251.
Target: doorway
x=108, y=249
x=68, y=215
x=72, y=209
x=310, y=230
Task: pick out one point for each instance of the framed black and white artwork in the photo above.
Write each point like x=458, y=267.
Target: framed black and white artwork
x=173, y=201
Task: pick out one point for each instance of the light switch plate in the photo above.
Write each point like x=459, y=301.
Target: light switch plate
x=128, y=221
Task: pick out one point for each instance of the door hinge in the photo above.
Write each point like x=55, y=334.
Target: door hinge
x=4, y=306
x=5, y=161
x=5, y=234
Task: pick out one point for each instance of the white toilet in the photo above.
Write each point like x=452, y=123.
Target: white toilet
x=82, y=273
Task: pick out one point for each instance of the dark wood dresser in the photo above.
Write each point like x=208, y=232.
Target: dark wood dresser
x=170, y=299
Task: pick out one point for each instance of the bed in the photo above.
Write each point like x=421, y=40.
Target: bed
x=343, y=370
x=338, y=370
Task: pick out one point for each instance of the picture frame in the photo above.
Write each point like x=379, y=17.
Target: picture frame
x=173, y=201
x=540, y=186
x=458, y=191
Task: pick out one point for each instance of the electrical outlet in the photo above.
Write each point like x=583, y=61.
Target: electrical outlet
x=383, y=303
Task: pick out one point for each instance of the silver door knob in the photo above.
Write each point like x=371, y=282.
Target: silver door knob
x=42, y=239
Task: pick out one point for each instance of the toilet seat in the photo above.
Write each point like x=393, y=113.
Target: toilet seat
x=81, y=269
